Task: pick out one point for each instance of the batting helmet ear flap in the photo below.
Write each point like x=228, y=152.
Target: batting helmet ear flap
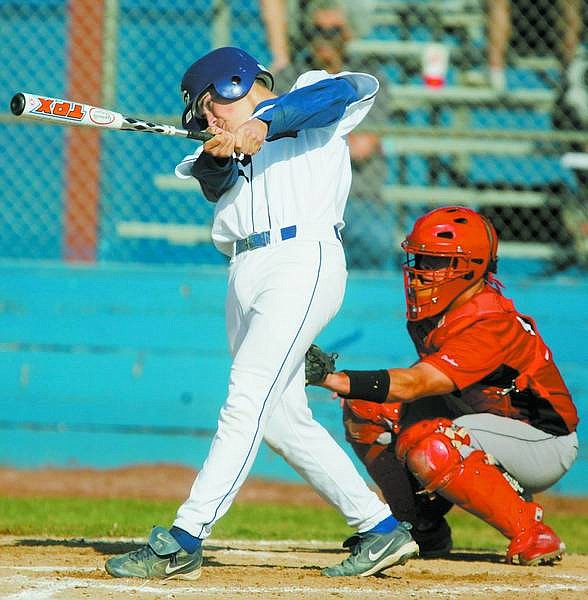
x=190, y=120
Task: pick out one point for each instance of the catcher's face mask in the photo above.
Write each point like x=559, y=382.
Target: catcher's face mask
x=448, y=251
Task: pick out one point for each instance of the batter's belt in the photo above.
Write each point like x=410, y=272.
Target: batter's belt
x=277, y=235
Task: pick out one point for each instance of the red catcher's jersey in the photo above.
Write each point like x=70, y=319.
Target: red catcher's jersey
x=499, y=363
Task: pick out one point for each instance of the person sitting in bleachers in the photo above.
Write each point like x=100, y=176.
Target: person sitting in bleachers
x=329, y=25
x=541, y=26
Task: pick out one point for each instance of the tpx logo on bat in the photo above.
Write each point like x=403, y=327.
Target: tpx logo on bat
x=68, y=112
x=49, y=107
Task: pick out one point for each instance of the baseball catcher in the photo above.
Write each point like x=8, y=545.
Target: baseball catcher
x=513, y=428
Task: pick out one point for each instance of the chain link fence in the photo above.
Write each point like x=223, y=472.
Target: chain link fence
x=482, y=103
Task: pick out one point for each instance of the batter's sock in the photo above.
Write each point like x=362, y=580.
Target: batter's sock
x=186, y=540
x=385, y=526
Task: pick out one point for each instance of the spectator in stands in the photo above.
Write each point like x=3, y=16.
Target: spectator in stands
x=329, y=25
x=542, y=26
x=288, y=26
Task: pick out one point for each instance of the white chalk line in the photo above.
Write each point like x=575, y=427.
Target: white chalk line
x=73, y=569
x=46, y=588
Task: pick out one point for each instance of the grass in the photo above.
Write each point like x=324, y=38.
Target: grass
x=91, y=518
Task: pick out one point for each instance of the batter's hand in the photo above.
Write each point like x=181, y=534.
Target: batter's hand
x=250, y=137
x=222, y=145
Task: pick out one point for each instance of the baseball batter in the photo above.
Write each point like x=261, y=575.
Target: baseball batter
x=278, y=171
x=516, y=433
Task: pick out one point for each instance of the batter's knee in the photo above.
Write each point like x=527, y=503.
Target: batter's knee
x=431, y=451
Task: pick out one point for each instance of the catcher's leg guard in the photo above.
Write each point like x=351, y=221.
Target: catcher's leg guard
x=373, y=443
x=431, y=450
x=369, y=440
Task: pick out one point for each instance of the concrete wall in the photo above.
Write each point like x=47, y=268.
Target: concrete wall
x=112, y=365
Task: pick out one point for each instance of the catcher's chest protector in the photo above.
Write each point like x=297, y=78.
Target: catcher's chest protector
x=512, y=375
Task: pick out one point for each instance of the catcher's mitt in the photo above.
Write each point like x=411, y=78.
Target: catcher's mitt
x=318, y=364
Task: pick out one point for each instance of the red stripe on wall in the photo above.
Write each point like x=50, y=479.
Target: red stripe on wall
x=82, y=184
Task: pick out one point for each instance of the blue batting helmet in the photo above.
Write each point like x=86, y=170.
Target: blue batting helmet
x=229, y=71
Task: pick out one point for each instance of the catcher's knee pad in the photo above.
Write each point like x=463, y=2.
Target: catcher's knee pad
x=431, y=450
x=370, y=422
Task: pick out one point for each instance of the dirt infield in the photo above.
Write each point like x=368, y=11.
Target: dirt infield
x=73, y=569
x=56, y=569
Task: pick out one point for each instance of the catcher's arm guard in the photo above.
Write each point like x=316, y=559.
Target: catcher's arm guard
x=318, y=364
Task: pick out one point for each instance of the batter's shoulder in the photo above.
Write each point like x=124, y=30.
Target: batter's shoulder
x=365, y=85
x=308, y=78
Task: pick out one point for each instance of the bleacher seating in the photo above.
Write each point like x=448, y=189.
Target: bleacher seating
x=517, y=169
x=460, y=143
x=427, y=170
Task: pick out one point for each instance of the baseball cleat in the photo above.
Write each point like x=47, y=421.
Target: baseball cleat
x=161, y=558
x=374, y=552
x=434, y=541
x=536, y=546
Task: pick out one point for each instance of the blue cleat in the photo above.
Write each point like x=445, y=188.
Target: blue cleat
x=374, y=552
x=161, y=558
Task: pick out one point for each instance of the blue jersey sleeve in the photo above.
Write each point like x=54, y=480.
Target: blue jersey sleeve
x=215, y=175
x=318, y=105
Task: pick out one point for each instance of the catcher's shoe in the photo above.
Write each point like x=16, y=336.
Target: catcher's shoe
x=537, y=545
x=161, y=558
x=434, y=541
x=374, y=552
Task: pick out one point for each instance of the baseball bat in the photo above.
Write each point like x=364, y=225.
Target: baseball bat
x=68, y=112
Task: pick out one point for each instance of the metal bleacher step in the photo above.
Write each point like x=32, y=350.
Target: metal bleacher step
x=397, y=49
x=449, y=5
x=171, y=183
x=403, y=196
x=450, y=19
x=389, y=48
x=179, y=234
x=407, y=97
x=399, y=195
x=448, y=145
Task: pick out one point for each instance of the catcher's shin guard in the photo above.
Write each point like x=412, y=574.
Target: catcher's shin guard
x=431, y=451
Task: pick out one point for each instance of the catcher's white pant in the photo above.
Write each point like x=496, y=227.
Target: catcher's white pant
x=279, y=298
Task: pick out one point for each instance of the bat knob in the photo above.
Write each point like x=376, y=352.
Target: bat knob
x=17, y=104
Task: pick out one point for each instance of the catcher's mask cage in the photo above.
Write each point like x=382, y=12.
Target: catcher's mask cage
x=448, y=251
x=229, y=72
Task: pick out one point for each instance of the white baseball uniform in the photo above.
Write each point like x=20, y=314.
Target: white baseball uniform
x=280, y=224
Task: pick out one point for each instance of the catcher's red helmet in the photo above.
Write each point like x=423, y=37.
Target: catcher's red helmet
x=449, y=250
